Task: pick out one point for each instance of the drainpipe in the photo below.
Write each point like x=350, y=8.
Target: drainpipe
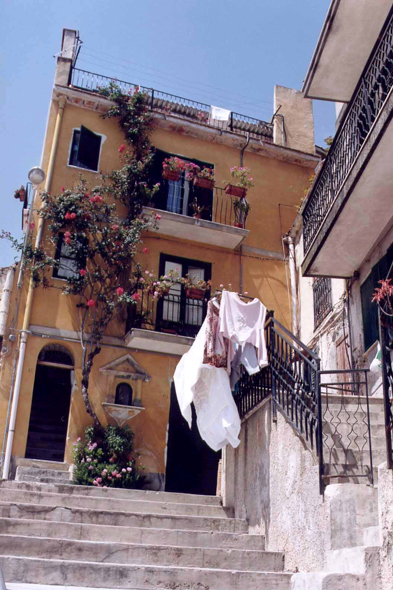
x=29, y=300
x=243, y=148
x=5, y=299
x=292, y=272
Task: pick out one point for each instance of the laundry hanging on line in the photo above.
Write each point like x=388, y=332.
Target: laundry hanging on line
x=203, y=374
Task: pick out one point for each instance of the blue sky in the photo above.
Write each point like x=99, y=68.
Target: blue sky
x=229, y=53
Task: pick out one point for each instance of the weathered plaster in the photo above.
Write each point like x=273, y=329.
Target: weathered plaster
x=385, y=490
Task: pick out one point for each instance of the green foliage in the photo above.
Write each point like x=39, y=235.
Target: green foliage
x=105, y=459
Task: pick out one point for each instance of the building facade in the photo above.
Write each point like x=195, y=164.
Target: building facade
x=131, y=381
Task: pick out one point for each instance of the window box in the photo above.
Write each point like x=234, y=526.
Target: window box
x=204, y=183
x=171, y=175
x=235, y=191
x=193, y=293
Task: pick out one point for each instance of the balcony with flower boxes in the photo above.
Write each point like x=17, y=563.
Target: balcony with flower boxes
x=350, y=206
x=170, y=322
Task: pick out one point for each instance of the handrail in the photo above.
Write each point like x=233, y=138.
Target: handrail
x=295, y=339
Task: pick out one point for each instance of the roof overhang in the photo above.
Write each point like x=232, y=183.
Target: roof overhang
x=348, y=36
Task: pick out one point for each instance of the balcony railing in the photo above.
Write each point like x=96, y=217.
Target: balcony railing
x=322, y=294
x=168, y=104
x=362, y=111
x=218, y=206
x=173, y=314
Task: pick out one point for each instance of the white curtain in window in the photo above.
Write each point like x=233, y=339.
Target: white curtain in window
x=194, y=307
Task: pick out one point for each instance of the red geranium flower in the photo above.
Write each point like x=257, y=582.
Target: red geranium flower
x=83, y=272
x=91, y=303
x=145, y=250
x=136, y=296
x=119, y=291
x=121, y=148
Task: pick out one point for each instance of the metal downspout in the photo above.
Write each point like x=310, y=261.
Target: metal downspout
x=292, y=273
x=29, y=300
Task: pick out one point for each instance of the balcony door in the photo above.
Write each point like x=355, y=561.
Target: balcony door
x=177, y=313
x=177, y=196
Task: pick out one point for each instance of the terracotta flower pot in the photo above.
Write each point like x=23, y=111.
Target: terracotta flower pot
x=197, y=216
x=235, y=191
x=192, y=293
x=238, y=224
x=171, y=174
x=204, y=183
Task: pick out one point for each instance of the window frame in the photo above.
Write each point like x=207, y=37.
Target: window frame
x=58, y=256
x=181, y=326
x=103, y=139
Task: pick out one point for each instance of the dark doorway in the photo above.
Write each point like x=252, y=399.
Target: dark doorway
x=49, y=413
x=191, y=464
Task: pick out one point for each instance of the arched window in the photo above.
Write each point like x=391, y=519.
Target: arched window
x=123, y=394
x=55, y=354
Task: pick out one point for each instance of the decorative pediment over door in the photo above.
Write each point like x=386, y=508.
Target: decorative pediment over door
x=126, y=367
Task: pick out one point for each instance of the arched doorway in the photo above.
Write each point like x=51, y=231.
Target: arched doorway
x=51, y=404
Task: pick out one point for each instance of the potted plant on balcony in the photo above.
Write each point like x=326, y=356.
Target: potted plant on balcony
x=242, y=208
x=172, y=168
x=197, y=209
x=240, y=182
x=20, y=194
x=202, y=178
x=195, y=288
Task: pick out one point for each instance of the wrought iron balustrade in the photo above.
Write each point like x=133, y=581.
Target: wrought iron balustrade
x=168, y=104
x=332, y=418
x=362, y=111
x=322, y=296
x=174, y=313
x=346, y=429
x=216, y=204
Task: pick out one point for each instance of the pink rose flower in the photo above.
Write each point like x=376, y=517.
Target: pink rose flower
x=72, y=215
x=90, y=466
x=121, y=148
x=115, y=227
x=157, y=216
x=136, y=296
x=129, y=469
x=91, y=303
x=118, y=475
x=67, y=234
x=68, y=241
x=99, y=479
x=120, y=291
x=62, y=189
x=78, y=439
x=88, y=459
x=123, y=470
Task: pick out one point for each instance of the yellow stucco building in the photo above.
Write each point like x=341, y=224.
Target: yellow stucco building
x=281, y=156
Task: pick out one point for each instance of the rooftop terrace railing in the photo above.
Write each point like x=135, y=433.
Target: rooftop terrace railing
x=159, y=101
x=367, y=102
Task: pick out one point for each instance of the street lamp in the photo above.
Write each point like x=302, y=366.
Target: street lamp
x=36, y=176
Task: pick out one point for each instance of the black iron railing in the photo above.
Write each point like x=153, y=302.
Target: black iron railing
x=362, y=111
x=173, y=314
x=170, y=104
x=322, y=296
x=251, y=390
x=386, y=343
x=346, y=429
x=332, y=418
x=216, y=205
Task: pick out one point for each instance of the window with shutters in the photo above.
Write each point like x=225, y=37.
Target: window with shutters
x=382, y=270
x=85, y=149
x=69, y=264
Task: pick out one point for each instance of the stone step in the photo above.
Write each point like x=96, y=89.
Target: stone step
x=327, y=581
x=356, y=560
x=117, y=518
x=99, y=503
x=45, y=480
x=371, y=536
x=121, y=576
x=42, y=464
x=126, y=534
x=338, y=454
x=36, y=473
x=115, y=493
x=124, y=553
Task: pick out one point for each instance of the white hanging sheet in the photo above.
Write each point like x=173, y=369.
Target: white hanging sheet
x=208, y=387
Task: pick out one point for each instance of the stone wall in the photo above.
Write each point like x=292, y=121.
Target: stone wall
x=385, y=492
x=272, y=480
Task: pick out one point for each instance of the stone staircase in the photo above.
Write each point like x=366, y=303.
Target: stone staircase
x=56, y=534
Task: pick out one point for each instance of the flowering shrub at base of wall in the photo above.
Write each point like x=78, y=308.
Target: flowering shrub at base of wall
x=105, y=459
